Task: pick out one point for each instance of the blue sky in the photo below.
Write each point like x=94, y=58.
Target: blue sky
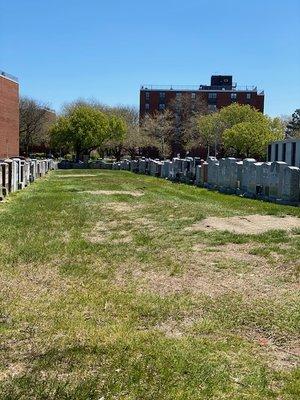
x=62, y=50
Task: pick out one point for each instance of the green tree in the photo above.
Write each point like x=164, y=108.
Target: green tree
x=117, y=134
x=82, y=129
x=237, y=113
x=293, y=126
x=206, y=132
x=130, y=141
x=239, y=129
x=247, y=139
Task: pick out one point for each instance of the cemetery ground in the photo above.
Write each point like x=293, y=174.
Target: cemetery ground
x=112, y=289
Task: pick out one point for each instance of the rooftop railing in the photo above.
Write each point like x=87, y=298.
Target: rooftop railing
x=9, y=76
x=232, y=88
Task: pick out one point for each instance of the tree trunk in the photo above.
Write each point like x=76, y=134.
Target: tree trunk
x=77, y=159
x=208, y=150
x=118, y=153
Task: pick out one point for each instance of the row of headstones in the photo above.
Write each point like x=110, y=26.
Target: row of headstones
x=66, y=164
x=17, y=173
x=271, y=181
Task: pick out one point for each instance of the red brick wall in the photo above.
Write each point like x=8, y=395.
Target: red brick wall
x=9, y=117
x=223, y=99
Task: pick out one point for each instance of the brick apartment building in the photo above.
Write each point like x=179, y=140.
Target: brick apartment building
x=220, y=93
x=9, y=115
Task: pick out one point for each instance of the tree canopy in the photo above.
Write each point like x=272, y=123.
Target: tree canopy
x=84, y=128
x=240, y=130
x=247, y=139
x=237, y=113
x=132, y=140
x=293, y=126
x=206, y=132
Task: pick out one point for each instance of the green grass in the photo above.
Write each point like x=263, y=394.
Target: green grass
x=85, y=314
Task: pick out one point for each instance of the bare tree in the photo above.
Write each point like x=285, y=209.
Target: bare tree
x=35, y=120
x=185, y=108
x=159, y=129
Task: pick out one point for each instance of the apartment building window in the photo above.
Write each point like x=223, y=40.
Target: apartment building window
x=162, y=95
x=161, y=106
x=193, y=96
x=212, y=98
x=248, y=96
x=147, y=106
x=212, y=107
x=178, y=94
x=233, y=96
x=147, y=95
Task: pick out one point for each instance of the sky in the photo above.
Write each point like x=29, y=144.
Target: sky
x=105, y=50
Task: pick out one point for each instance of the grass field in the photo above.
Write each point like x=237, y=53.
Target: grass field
x=110, y=296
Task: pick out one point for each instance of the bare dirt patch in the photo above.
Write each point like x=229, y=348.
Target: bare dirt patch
x=173, y=328
x=12, y=370
x=233, y=252
x=134, y=193
x=149, y=224
x=104, y=231
x=119, y=232
x=122, y=206
x=229, y=270
x=249, y=224
x=279, y=356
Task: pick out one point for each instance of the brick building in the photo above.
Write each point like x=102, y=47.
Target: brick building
x=220, y=93
x=9, y=116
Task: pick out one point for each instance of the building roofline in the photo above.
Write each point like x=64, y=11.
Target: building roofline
x=200, y=88
x=287, y=140
x=9, y=76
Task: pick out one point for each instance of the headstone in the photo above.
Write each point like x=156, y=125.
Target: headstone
x=276, y=179
x=198, y=175
x=5, y=178
x=12, y=174
x=254, y=178
x=212, y=172
x=134, y=166
x=222, y=175
x=165, y=169
x=265, y=180
x=290, y=193
x=142, y=166
x=177, y=168
x=247, y=175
